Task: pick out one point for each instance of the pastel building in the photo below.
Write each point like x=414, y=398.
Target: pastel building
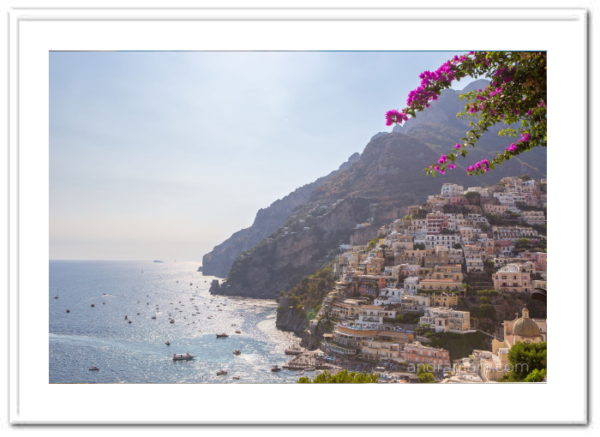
x=416, y=353
x=387, y=345
x=433, y=285
x=442, y=319
x=513, y=278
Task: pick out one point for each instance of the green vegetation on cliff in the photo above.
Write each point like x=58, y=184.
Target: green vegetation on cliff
x=309, y=293
x=460, y=345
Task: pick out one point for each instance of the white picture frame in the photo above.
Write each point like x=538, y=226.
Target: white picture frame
x=34, y=31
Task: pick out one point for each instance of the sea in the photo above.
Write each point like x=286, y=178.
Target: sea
x=115, y=316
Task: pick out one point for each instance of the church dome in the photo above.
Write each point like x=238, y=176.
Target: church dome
x=525, y=327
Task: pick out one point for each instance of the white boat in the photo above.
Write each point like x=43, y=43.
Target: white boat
x=183, y=357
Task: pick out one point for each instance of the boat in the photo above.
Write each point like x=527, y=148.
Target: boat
x=237, y=352
x=171, y=321
x=223, y=335
x=236, y=378
x=237, y=331
x=222, y=372
x=293, y=351
x=275, y=369
x=93, y=369
x=183, y=357
x=168, y=343
x=158, y=261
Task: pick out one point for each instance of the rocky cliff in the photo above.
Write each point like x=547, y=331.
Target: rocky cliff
x=218, y=262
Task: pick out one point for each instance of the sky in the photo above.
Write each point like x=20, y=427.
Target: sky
x=163, y=155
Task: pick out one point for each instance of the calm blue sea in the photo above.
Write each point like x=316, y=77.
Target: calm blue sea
x=136, y=352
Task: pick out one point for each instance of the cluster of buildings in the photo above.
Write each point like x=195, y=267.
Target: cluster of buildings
x=411, y=278
x=491, y=366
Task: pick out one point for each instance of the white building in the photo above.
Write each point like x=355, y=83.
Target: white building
x=411, y=285
x=417, y=302
x=389, y=296
x=477, y=219
x=446, y=240
x=373, y=314
x=452, y=190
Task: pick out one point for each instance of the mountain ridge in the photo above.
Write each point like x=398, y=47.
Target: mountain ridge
x=267, y=220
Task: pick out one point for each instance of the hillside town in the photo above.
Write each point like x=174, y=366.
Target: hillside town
x=451, y=286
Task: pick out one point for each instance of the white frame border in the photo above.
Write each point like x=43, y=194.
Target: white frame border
x=21, y=15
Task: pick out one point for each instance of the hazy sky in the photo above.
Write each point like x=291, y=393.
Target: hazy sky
x=163, y=155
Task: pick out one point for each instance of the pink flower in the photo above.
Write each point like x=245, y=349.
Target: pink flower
x=512, y=148
x=457, y=146
x=452, y=166
x=391, y=117
x=525, y=137
x=394, y=116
